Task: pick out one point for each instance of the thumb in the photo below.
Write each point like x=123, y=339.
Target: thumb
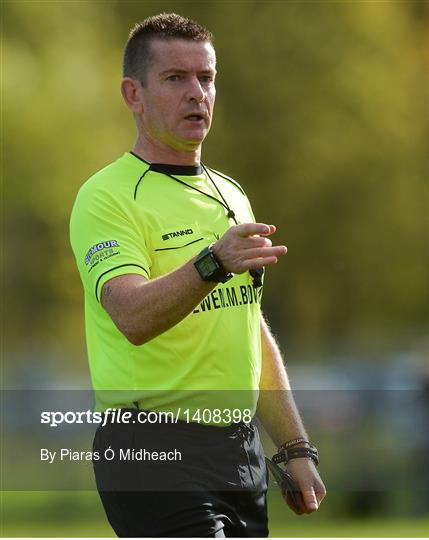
x=310, y=500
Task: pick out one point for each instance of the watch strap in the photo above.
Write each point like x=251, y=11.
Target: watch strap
x=217, y=272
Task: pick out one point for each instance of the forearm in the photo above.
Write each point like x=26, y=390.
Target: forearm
x=276, y=406
x=144, y=309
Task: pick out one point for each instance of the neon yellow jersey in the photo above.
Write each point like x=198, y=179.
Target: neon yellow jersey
x=133, y=217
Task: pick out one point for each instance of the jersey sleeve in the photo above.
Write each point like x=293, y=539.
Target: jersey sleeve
x=249, y=207
x=106, y=241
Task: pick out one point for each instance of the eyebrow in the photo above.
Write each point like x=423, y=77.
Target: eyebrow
x=184, y=71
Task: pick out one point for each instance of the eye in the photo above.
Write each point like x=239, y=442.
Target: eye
x=173, y=78
x=206, y=79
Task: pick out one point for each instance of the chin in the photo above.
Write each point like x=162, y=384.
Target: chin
x=194, y=141
x=192, y=146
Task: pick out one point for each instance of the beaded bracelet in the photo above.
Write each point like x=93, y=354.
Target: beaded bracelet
x=293, y=442
x=284, y=456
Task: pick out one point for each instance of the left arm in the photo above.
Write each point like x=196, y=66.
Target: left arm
x=280, y=417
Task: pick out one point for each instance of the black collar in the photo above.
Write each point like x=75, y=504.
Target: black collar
x=181, y=170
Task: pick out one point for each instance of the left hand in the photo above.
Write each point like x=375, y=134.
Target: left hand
x=311, y=488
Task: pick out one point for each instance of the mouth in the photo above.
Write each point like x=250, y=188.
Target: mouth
x=196, y=117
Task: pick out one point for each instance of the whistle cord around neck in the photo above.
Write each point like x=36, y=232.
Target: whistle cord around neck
x=222, y=200
x=256, y=273
x=231, y=213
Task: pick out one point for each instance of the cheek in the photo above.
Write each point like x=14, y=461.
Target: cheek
x=211, y=97
x=167, y=109
x=157, y=112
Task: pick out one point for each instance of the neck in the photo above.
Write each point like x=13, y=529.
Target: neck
x=157, y=152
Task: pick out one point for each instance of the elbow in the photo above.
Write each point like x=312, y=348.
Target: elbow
x=136, y=331
x=136, y=336
x=135, y=339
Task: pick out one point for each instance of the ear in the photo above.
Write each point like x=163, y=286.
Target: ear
x=131, y=92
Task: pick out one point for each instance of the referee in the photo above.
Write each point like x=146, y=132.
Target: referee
x=171, y=260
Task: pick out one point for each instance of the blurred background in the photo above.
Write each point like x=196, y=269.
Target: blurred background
x=322, y=116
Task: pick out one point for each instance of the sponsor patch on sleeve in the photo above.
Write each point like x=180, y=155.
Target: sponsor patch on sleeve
x=100, y=252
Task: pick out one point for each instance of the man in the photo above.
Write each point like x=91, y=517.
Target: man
x=171, y=261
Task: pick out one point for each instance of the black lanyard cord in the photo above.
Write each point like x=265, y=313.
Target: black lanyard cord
x=255, y=273
x=222, y=200
x=231, y=213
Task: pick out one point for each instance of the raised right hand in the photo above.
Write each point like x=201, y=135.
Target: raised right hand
x=245, y=246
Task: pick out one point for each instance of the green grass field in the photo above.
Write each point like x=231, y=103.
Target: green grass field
x=291, y=528
x=80, y=514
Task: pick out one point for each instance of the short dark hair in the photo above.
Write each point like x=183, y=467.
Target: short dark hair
x=138, y=55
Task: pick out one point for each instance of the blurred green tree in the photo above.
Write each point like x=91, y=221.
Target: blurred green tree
x=321, y=115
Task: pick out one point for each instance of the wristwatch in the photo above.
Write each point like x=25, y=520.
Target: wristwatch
x=210, y=268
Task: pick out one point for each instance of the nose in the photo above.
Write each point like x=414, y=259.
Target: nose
x=196, y=91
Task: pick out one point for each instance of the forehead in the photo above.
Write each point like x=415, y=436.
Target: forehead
x=182, y=54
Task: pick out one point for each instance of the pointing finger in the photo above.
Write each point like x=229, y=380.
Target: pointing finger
x=249, y=229
x=276, y=251
x=273, y=229
x=260, y=262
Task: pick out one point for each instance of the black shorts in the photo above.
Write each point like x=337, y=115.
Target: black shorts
x=214, y=485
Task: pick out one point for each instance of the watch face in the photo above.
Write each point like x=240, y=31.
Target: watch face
x=207, y=265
